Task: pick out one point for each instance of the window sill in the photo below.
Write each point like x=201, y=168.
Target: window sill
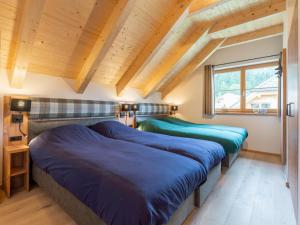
x=246, y=114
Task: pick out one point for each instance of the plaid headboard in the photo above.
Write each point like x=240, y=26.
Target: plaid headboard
x=52, y=108
x=152, y=109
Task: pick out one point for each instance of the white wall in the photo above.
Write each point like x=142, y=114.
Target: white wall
x=264, y=131
x=56, y=87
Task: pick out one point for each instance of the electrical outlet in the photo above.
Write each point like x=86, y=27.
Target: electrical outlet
x=15, y=138
x=17, y=118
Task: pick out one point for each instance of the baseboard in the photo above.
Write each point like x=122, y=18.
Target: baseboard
x=261, y=152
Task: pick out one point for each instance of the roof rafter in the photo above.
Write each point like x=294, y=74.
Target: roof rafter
x=197, y=61
x=173, y=57
x=257, y=12
x=254, y=35
x=111, y=29
x=199, y=5
x=176, y=15
x=27, y=30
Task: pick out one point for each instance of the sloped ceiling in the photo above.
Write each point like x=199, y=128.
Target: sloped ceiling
x=65, y=32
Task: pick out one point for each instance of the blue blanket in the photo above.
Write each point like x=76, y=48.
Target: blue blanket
x=123, y=183
x=231, y=141
x=208, y=153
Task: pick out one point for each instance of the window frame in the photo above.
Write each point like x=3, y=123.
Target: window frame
x=242, y=110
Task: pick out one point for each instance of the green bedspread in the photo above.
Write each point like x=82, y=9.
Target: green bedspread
x=230, y=140
x=173, y=120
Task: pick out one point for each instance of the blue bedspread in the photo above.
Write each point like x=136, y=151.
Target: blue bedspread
x=231, y=141
x=208, y=153
x=123, y=183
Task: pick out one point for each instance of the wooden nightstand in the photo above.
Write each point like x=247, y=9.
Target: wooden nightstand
x=16, y=166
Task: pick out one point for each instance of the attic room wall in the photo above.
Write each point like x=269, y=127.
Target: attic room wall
x=264, y=131
x=55, y=87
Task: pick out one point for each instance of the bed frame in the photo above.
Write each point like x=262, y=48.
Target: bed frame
x=212, y=179
x=230, y=158
x=84, y=215
x=80, y=212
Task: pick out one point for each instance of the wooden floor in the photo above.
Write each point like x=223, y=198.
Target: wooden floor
x=252, y=192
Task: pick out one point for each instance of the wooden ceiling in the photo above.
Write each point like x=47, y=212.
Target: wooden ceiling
x=151, y=45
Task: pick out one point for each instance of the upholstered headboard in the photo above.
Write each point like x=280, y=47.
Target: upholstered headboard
x=47, y=113
x=152, y=110
x=52, y=108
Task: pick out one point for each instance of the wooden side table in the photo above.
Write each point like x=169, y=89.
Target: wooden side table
x=16, y=163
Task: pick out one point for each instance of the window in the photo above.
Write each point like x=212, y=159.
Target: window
x=248, y=89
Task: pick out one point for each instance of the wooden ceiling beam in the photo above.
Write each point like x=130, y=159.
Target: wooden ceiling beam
x=175, y=17
x=243, y=17
x=254, y=35
x=197, y=61
x=172, y=59
x=198, y=6
x=110, y=31
x=27, y=30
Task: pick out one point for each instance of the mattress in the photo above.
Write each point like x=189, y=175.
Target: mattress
x=231, y=141
x=121, y=182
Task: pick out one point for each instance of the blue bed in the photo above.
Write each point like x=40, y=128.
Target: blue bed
x=123, y=183
x=205, y=152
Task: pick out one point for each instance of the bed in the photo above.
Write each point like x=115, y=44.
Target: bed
x=50, y=114
x=120, y=182
x=231, y=138
x=208, y=153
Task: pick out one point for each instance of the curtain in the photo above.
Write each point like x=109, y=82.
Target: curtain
x=209, y=102
x=280, y=81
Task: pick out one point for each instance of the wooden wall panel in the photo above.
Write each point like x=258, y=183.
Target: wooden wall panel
x=12, y=129
x=9, y=130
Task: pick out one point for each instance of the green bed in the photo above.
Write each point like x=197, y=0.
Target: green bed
x=231, y=138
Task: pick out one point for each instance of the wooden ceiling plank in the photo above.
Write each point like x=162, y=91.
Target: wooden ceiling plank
x=198, y=6
x=254, y=35
x=172, y=59
x=257, y=12
x=176, y=15
x=197, y=61
x=27, y=30
x=105, y=40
